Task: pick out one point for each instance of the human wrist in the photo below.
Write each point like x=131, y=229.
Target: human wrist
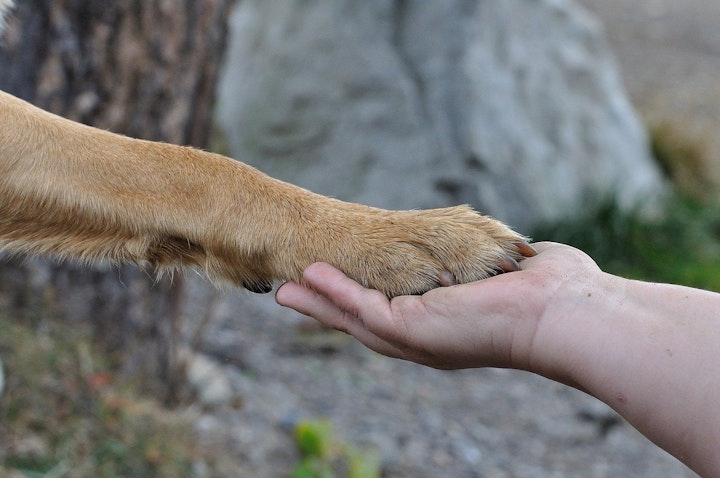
x=570, y=336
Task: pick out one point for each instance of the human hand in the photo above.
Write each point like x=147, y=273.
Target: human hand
x=631, y=344
x=492, y=322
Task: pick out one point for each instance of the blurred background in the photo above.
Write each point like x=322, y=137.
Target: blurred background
x=591, y=123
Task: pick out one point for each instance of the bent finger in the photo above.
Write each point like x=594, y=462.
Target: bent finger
x=309, y=302
x=345, y=293
x=341, y=303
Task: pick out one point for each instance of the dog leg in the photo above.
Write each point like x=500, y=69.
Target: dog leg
x=76, y=191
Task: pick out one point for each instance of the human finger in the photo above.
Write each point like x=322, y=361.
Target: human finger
x=338, y=302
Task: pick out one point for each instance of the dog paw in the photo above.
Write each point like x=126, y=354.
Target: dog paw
x=411, y=252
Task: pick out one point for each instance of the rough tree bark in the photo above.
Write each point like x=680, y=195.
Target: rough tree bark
x=145, y=68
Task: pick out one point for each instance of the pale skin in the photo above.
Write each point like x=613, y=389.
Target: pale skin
x=648, y=350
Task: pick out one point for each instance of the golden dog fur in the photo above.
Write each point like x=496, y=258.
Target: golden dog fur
x=74, y=191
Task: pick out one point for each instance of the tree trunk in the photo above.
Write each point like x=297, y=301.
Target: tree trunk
x=144, y=68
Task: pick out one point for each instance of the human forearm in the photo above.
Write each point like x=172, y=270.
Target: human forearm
x=642, y=348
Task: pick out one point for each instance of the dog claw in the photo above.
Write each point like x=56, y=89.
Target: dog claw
x=525, y=249
x=259, y=287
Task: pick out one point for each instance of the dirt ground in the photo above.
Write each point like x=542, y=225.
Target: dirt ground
x=477, y=423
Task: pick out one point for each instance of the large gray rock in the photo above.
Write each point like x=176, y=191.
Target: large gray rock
x=513, y=106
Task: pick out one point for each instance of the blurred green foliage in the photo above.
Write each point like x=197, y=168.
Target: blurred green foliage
x=325, y=457
x=681, y=247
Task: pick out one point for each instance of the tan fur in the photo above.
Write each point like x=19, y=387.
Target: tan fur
x=76, y=191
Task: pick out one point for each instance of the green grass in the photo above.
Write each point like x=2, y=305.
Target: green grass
x=681, y=247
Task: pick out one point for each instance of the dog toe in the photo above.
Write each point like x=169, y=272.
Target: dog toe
x=447, y=278
x=508, y=264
